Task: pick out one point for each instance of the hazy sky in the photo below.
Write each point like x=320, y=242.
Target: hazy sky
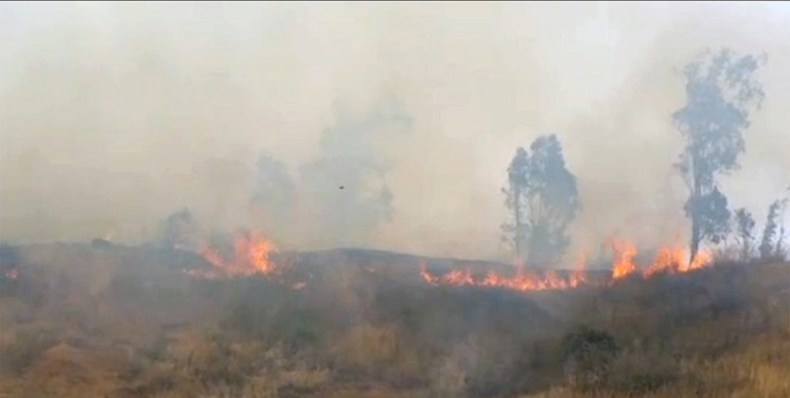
x=114, y=115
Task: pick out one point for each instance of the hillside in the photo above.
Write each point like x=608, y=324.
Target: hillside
x=104, y=320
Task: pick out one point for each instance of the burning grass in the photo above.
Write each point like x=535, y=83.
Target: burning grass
x=83, y=320
x=624, y=265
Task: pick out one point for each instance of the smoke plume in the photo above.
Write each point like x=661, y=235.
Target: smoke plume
x=113, y=116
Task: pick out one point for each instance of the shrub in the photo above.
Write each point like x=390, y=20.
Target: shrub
x=587, y=356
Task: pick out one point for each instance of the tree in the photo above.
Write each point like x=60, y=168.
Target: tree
x=514, y=193
x=179, y=230
x=773, y=234
x=744, y=224
x=544, y=199
x=721, y=90
x=347, y=184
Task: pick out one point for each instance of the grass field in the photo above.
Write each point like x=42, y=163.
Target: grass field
x=111, y=321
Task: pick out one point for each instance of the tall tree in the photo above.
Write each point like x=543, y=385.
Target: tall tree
x=347, y=184
x=744, y=228
x=721, y=90
x=179, y=230
x=544, y=199
x=514, y=193
x=773, y=233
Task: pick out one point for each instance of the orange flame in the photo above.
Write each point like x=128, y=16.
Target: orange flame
x=668, y=259
x=674, y=260
x=521, y=281
x=671, y=259
x=250, y=256
x=624, y=265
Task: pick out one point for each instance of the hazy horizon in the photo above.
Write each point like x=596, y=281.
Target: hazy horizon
x=114, y=115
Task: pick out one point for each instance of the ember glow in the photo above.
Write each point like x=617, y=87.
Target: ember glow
x=668, y=260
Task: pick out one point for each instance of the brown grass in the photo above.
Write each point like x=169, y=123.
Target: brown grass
x=722, y=332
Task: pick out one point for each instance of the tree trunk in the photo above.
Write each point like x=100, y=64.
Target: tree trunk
x=695, y=227
x=695, y=237
x=517, y=215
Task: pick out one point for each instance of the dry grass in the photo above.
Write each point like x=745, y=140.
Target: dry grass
x=719, y=333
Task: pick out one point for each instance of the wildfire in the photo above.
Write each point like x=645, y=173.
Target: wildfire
x=522, y=280
x=251, y=251
x=625, y=253
x=250, y=256
x=669, y=259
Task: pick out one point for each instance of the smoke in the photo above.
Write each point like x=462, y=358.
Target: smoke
x=273, y=198
x=347, y=184
x=342, y=196
x=112, y=116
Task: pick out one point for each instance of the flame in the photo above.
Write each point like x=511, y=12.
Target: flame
x=522, y=280
x=251, y=253
x=625, y=252
x=671, y=259
x=674, y=260
x=250, y=256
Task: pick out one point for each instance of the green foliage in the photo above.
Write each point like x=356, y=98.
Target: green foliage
x=543, y=196
x=721, y=90
x=773, y=234
x=713, y=216
x=744, y=225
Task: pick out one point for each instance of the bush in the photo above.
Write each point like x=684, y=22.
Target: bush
x=587, y=357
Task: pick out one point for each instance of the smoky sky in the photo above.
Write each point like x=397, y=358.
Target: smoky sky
x=113, y=116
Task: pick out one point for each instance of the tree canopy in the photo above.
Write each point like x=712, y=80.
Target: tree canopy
x=721, y=90
x=543, y=197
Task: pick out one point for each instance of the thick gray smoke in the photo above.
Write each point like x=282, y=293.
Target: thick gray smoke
x=273, y=201
x=113, y=116
x=347, y=184
x=341, y=197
